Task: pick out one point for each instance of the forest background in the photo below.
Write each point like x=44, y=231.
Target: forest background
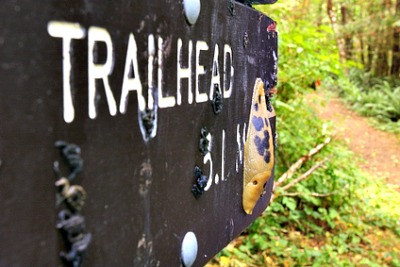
x=325, y=210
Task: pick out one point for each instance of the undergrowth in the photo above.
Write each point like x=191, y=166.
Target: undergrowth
x=357, y=223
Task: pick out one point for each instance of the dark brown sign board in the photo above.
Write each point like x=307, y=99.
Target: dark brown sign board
x=132, y=83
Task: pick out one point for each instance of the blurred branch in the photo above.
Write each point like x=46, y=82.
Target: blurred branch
x=305, y=175
x=300, y=178
x=289, y=173
x=312, y=194
x=308, y=194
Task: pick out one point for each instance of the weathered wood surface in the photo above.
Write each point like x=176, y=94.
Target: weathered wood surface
x=139, y=202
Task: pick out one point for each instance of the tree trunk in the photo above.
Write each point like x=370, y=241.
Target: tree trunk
x=348, y=42
x=395, y=71
x=320, y=15
x=361, y=38
x=381, y=66
x=384, y=42
x=306, y=5
x=370, y=56
x=335, y=27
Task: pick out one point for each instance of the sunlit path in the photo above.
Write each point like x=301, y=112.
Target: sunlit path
x=379, y=151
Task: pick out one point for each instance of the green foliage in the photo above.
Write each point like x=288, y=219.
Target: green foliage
x=342, y=229
x=302, y=63
x=339, y=216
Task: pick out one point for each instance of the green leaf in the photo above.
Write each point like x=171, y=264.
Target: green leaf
x=290, y=203
x=333, y=213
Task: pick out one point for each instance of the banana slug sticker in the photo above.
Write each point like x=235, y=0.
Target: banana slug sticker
x=258, y=150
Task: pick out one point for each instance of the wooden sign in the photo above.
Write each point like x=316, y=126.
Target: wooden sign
x=123, y=125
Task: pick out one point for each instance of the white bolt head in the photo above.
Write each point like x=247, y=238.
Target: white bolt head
x=192, y=10
x=189, y=249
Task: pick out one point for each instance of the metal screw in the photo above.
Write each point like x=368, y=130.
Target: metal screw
x=191, y=9
x=189, y=249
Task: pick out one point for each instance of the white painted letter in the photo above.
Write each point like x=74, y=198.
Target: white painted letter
x=215, y=78
x=131, y=83
x=241, y=140
x=151, y=49
x=223, y=157
x=97, y=71
x=228, y=52
x=168, y=101
x=184, y=73
x=207, y=158
x=200, y=46
x=67, y=31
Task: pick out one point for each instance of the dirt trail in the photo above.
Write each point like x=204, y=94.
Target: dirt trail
x=380, y=151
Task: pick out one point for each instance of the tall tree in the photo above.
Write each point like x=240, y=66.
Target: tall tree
x=348, y=41
x=384, y=38
x=335, y=27
x=396, y=44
